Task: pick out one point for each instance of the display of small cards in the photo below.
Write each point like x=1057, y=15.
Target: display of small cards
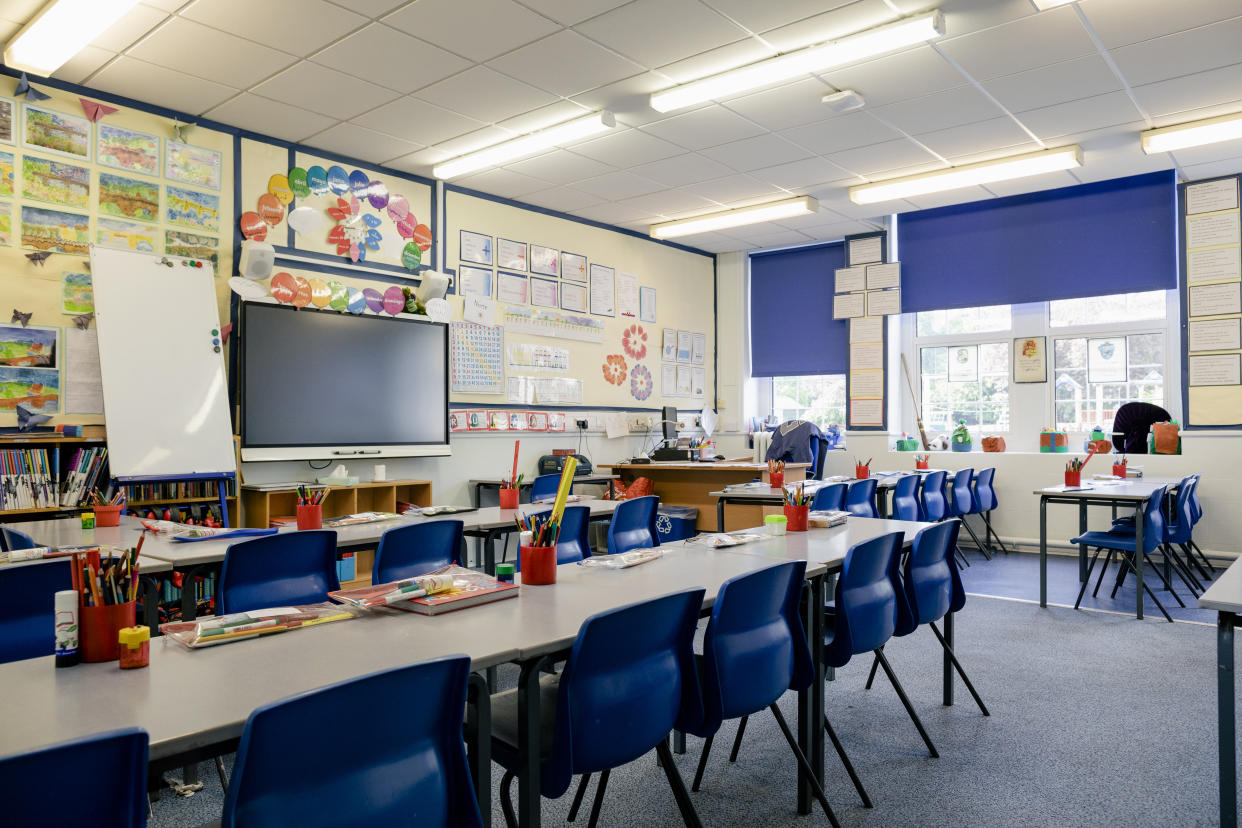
x=511, y=255
x=498, y=420
x=546, y=261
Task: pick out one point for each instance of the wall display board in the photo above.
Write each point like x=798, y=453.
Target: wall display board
x=1211, y=291
x=607, y=280
x=867, y=290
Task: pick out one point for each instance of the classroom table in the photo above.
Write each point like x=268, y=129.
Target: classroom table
x=147, y=567
x=1132, y=492
x=774, y=497
x=1225, y=596
x=477, y=487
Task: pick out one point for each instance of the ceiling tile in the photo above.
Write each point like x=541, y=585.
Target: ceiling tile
x=216, y=55
x=132, y=78
x=299, y=27
x=682, y=169
x=417, y=121
x=1033, y=41
x=953, y=107
x=714, y=61
x=629, y=99
x=1118, y=24
x=760, y=17
x=789, y=106
x=8, y=28
x=618, y=185
x=965, y=16
x=1193, y=156
x=838, y=230
x=1190, y=92
x=268, y=117
x=1033, y=183
x=544, y=116
x=1174, y=55
x=841, y=133
x=670, y=203
x=485, y=95
x=658, y=32
x=714, y=242
x=753, y=153
x=560, y=167
x=910, y=74
x=1226, y=108
x=886, y=158
x=627, y=148
x=472, y=141
x=505, y=183
x=982, y=137
x=134, y=24
x=360, y=142
x=732, y=189
x=1213, y=169
x=477, y=29
x=859, y=15
x=325, y=91
x=565, y=63
x=963, y=195
x=768, y=235
x=1114, y=152
x=1078, y=116
x=611, y=214
x=1058, y=83
x=421, y=162
x=703, y=128
x=21, y=10
x=799, y=176
x=390, y=58
x=564, y=199
x=371, y=8
x=162, y=5
x=83, y=64
x=570, y=12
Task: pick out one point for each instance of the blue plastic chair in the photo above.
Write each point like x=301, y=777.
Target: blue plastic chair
x=755, y=649
x=417, y=549
x=278, y=570
x=905, y=501
x=634, y=525
x=860, y=498
x=15, y=539
x=1124, y=541
x=406, y=767
x=830, y=498
x=961, y=502
x=819, y=453
x=27, y=626
x=572, y=544
x=99, y=780
x=1177, y=530
x=985, y=502
x=629, y=680
x=870, y=607
x=545, y=486
x=1202, y=563
x=931, y=497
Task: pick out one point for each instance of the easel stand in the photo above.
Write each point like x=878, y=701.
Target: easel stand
x=221, y=479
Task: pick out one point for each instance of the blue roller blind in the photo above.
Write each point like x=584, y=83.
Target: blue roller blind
x=1117, y=236
x=792, y=331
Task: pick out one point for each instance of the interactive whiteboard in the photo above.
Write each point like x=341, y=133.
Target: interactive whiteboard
x=161, y=355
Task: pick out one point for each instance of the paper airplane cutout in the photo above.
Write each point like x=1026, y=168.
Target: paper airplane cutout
x=39, y=258
x=32, y=94
x=178, y=130
x=95, y=110
x=19, y=316
x=83, y=321
x=27, y=419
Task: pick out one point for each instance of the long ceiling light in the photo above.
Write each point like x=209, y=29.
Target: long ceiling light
x=771, y=211
x=984, y=172
x=554, y=136
x=61, y=30
x=868, y=43
x=1193, y=134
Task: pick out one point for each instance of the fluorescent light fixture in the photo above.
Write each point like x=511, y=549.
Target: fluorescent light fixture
x=851, y=48
x=561, y=134
x=771, y=211
x=1193, y=134
x=1044, y=5
x=60, y=31
x=967, y=175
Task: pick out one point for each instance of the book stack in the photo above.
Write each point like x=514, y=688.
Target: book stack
x=27, y=479
x=83, y=474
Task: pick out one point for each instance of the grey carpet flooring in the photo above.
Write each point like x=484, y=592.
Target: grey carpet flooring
x=1097, y=719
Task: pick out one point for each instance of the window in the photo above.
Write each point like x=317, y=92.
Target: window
x=1082, y=404
x=1107, y=310
x=820, y=399
x=965, y=382
x=964, y=321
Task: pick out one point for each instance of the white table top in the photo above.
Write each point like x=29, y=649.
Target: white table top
x=578, y=478
x=827, y=547
x=1225, y=595
x=146, y=565
x=1134, y=488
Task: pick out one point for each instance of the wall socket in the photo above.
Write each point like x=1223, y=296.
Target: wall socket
x=582, y=424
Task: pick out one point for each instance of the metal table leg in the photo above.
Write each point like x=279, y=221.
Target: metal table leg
x=1226, y=722
x=1043, y=551
x=720, y=504
x=811, y=700
x=479, y=743
x=1138, y=559
x=529, y=798
x=1082, y=547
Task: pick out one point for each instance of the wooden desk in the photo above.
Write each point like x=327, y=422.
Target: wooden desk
x=691, y=484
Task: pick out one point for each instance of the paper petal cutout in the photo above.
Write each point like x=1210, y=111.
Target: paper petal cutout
x=95, y=110
x=371, y=221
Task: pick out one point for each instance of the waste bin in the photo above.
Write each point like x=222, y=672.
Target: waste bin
x=674, y=523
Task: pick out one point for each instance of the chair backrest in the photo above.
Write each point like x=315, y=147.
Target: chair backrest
x=1153, y=520
x=905, y=503
x=27, y=622
x=860, y=498
x=406, y=766
x=278, y=570
x=1178, y=529
x=931, y=579
x=961, y=500
x=14, y=539
x=819, y=453
x=417, y=549
x=1196, y=508
x=830, y=498
x=634, y=525
x=985, y=494
x=572, y=544
x=866, y=599
x=629, y=678
x=545, y=486
x=99, y=780
x=931, y=497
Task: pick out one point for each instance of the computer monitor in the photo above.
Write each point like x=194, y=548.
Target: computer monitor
x=670, y=423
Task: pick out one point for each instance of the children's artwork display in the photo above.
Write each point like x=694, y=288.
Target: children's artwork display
x=126, y=149
x=76, y=295
x=55, y=231
x=56, y=181
x=190, y=208
x=129, y=198
x=197, y=166
x=192, y=245
x=7, y=169
x=126, y=235
x=58, y=132
x=36, y=388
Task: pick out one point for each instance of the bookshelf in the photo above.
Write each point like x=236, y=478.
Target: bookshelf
x=59, y=452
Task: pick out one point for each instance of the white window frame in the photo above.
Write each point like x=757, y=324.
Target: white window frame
x=767, y=391
x=915, y=359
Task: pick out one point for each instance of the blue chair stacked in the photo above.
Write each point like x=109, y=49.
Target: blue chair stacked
x=27, y=626
x=985, y=502
x=755, y=649
x=633, y=525
x=408, y=766
x=278, y=570
x=1177, y=529
x=99, y=780
x=905, y=501
x=961, y=502
x=545, y=486
x=572, y=544
x=1123, y=541
x=1196, y=514
x=830, y=498
x=629, y=680
x=417, y=549
x=860, y=498
x=935, y=506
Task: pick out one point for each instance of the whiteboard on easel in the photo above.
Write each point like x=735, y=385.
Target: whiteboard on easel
x=161, y=358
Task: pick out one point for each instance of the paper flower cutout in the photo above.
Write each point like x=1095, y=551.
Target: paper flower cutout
x=354, y=232
x=614, y=369
x=640, y=382
x=634, y=341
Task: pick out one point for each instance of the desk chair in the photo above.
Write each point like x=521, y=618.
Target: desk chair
x=961, y=502
x=1118, y=540
x=14, y=539
x=755, y=649
x=830, y=498
x=99, y=780
x=935, y=506
x=278, y=570
x=406, y=766
x=545, y=485
x=1196, y=514
x=633, y=525
x=905, y=501
x=417, y=549
x=26, y=607
x=985, y=503
x=1177, y=527
x=572, y=544
x=860, y=498
x=629, y=680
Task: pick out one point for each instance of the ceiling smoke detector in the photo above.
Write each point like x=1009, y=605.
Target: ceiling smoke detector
x=846, y=100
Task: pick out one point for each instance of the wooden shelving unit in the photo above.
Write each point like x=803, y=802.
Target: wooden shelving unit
x=53, y=443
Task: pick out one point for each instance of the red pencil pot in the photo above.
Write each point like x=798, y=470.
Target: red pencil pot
x=108, y=515
x=862, y=472
x=1073, y=478
x=508, y=498
x=310, y=516
x=101, y=627
x=922, y=464
x=776, y=479
x=538, y=565
x=1119, y=469
x=795, y=518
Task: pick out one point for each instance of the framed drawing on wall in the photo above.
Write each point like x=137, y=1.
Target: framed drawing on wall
x=1030, y=359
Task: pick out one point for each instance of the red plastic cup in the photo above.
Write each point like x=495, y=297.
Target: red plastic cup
x=538, y=565
x=108, y=515
x=795, y=518
x=1119, y=469
x=310, y=516
x=862, y=472
x=100, y=626
x=1073, y=478
x=776, y=479
x=508, y=498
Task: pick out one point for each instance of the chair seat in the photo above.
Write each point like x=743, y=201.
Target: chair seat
x=505, y=721
x=1109, y=540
